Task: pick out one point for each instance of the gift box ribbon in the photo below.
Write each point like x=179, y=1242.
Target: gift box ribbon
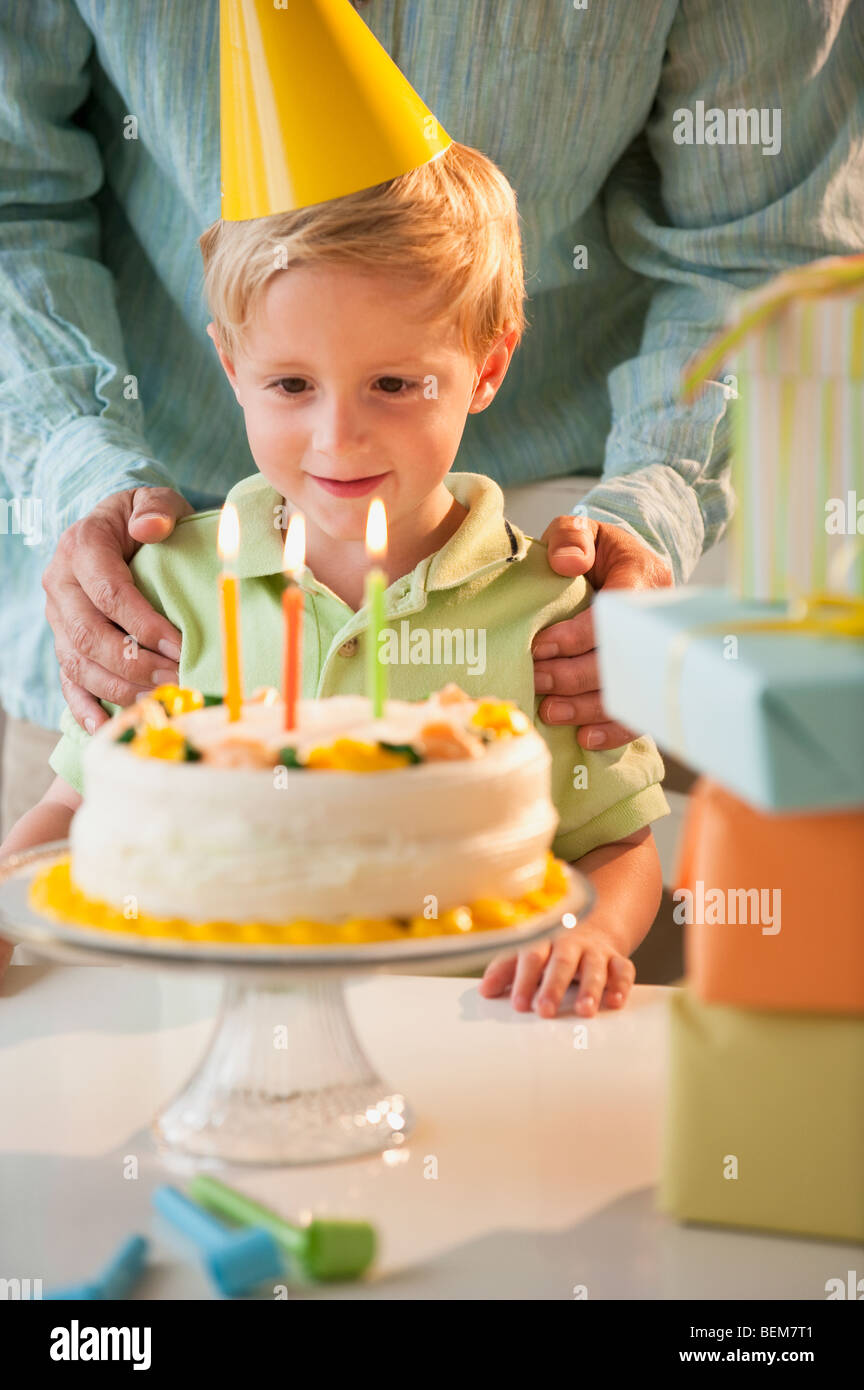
x=818, y=615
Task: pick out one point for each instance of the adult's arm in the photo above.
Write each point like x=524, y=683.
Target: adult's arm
x=704, y=221
x=72, y=422
x=701, y=222
x=73, y=426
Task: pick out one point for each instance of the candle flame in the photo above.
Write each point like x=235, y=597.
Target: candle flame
x=228, y=535
x=376, y=528
x=294, y=554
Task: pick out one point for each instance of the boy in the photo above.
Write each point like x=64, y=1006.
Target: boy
x=357, y=335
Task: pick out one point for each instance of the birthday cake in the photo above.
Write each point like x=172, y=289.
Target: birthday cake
x=434, y=818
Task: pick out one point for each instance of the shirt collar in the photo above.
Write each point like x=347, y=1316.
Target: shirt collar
x=259, y=509
x=484, y=541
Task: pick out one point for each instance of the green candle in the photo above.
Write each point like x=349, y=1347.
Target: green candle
x=376, y=583
x=376, y=671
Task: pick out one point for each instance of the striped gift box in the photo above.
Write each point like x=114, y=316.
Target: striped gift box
x=795, y=352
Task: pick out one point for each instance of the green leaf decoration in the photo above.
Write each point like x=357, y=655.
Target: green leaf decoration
x=126, y=736
x=191, y=754
x=214, y=700
x=405, y=748
x=288, y=758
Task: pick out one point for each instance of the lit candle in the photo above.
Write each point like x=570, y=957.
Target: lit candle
x=376, y=583
x=293, y=559
x=228, y=545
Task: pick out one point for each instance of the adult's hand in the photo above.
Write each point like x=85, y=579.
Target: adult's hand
x=94, y=608
x=566, y=668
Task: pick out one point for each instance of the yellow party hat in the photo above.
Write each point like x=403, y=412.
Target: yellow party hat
x=312, y=107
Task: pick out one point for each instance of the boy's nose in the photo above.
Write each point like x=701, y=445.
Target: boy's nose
x=339, y=431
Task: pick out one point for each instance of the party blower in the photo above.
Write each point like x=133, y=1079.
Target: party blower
x=321, y=1250
x=117, y=1278
x=236, y=1262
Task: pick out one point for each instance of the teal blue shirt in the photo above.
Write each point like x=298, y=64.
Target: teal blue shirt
x=109, y=132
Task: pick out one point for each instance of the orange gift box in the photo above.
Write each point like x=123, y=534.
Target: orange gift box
x=772, y=905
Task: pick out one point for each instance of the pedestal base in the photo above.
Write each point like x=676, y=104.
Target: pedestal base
x=284, y=1081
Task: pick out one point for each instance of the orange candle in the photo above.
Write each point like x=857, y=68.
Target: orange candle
x=228, y=545
x=294, y=557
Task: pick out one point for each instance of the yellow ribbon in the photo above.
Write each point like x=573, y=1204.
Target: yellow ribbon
x=804, y=614
x=843, y=274
x=819, y=615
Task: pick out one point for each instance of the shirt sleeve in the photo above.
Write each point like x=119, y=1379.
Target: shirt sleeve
x=704, y=221
x=601, y=797
x=73, y=426
x=67, y=755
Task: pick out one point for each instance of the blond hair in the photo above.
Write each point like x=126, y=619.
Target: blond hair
x=451, y=225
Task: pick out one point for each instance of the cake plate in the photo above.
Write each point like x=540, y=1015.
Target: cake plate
x=284, y=1079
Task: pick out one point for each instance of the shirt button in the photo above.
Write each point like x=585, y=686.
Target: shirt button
x=348, y=648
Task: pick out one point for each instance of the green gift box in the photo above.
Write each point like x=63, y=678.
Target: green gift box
x=764, y=1123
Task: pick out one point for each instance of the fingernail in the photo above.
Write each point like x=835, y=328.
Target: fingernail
x=163, y=677
x=567, y=552
x=521, y=1001
x=561, y=709
x=546, y=1007
x=169, y=649
x=150, y=516
x=595, y=739
x=90, y=725
x=545, y=651
x=542, y=681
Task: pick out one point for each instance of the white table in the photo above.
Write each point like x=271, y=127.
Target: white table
x=545, y=1153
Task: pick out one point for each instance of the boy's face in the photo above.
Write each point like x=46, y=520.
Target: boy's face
x=349, y=392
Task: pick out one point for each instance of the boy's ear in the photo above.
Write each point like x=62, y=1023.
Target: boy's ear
x=493, y=371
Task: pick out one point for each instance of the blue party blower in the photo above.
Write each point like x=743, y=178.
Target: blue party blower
x=116, y=1279
x=234, y=1261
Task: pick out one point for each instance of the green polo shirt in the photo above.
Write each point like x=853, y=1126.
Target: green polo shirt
x=467, y=614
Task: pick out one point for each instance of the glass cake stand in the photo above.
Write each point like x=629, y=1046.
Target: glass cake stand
x=285, y=1079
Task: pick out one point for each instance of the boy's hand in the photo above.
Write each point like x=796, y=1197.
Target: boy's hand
x=605, y=976
x=566, y=666
x=92, y=603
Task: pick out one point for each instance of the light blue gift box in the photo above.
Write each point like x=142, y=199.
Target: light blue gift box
x=777, y=718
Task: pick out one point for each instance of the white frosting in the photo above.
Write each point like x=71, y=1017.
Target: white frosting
x=192, y=840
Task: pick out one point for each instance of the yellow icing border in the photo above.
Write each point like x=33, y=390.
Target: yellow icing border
x=54, y=893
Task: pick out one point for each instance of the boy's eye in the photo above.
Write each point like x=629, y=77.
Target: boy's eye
x=390, y=385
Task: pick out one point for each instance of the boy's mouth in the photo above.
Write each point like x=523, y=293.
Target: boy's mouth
x=348, y=487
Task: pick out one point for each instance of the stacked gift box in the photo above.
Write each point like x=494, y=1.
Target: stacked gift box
x=760, y=688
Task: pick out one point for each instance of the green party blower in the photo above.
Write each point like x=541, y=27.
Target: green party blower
x=322, y=1250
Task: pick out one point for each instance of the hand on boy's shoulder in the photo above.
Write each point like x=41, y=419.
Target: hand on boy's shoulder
x=554, y=595
x=187, y=555
x=608, y=556
x=566, y=667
